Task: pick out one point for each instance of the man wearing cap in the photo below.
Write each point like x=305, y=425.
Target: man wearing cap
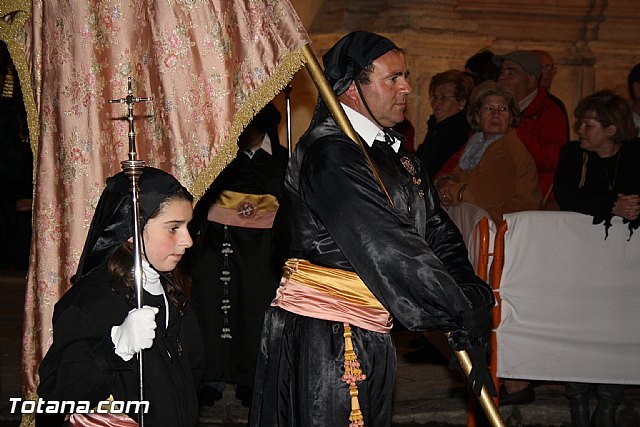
x=359, y=256
x=543, y=128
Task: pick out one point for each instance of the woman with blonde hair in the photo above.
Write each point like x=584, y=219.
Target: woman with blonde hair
x=495, y=171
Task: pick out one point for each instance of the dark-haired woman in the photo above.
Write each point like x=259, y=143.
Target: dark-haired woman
x=448, y=129
x=96, y=329
x=599, y=174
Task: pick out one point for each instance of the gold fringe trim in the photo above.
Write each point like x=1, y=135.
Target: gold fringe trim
x=292, y=62
x=10, y=33
x=352, y=375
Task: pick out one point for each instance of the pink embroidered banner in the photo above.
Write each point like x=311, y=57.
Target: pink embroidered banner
x=209, y=65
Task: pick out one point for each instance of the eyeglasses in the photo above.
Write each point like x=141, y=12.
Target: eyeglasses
x=440, y=98
x=488, y=109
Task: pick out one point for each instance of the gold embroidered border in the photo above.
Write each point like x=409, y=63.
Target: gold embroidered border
x=292, y=62
x=10, y=32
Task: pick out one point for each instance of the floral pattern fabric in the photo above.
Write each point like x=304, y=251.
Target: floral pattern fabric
x=209, y=66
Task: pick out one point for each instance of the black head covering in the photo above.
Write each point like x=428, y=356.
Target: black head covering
x=111, y=225
x=344, y=61
x=342, y=64
x=347, y=58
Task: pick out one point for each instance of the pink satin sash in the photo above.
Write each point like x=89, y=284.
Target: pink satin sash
x=330, y=294
x=244, y=210
x=101, y=420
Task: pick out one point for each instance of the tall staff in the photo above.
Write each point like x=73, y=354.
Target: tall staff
x=330, y=99
x=132, y=168
x=287, y=98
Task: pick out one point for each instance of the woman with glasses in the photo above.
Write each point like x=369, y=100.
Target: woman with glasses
x=448, y=129
x=495, y=171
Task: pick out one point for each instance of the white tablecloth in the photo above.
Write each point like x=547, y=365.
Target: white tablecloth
x=466, y=216
x=570, y=300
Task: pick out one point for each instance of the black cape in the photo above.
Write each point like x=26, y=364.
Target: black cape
x=82, y=364
x=255, y=269
x=411, y=257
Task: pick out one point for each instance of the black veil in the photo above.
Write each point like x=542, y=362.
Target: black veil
x=111, y=225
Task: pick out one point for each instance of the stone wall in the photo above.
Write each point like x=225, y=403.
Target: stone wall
x=594, y=42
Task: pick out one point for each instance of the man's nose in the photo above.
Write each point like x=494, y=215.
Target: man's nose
x=406, y=87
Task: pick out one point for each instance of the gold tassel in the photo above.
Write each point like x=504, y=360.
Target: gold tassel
x=352, y=374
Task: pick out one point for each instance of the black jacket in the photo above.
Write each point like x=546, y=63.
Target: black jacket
x=594, y=197
x=411, y=256
x=442, y=141
x=81, y=364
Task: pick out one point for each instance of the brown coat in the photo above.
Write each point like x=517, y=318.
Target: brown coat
x=505, y=180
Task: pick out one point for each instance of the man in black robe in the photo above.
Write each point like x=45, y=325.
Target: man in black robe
x=235, y=271
x=359, y=256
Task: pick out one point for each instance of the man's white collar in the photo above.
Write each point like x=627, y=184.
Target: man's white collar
x=368, y=130
x=527, y=100
x=265, y=145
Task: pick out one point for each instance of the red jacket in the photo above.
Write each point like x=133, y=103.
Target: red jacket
x=543, y=130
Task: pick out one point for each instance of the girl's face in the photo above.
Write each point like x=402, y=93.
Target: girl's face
x=166, y=236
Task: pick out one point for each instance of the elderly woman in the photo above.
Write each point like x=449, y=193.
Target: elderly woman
x=495, y=171
x=599, y=176
x=448, y=129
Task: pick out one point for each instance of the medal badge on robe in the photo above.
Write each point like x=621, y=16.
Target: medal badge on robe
x=247, y=209
x=408, y=165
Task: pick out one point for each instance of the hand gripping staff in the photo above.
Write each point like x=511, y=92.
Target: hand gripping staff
x=330, y=99
x=132, y=168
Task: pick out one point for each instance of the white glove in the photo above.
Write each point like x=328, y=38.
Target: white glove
x=136, y=332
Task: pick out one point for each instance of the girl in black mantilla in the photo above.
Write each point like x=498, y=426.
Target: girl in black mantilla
x=599, y=175
x=97, y=331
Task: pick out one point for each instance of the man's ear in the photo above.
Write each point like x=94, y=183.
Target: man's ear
x=130, y=239
x=352, y=92
x=611, y=130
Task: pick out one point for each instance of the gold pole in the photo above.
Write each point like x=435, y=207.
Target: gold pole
x=331, y=100
x=486, y=401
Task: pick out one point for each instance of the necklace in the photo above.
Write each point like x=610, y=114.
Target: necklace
x=611, y=184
